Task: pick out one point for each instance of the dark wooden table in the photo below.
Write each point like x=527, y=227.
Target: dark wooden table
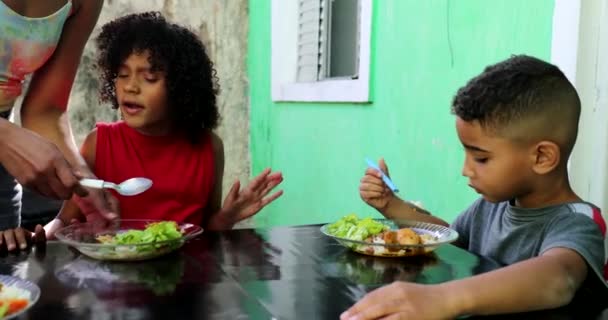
x=280, y=273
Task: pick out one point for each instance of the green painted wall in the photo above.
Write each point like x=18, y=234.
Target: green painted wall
x=422, y=52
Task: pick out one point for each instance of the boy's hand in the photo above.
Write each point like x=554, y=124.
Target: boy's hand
x=373, y=190
x=402, y=300
x=242, y=204
x=21, y=239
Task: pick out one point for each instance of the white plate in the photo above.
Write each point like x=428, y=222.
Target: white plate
x=440, y=234
x=30, y=287
x=83, y=237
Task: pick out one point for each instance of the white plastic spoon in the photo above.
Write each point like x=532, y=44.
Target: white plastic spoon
x=129, y=187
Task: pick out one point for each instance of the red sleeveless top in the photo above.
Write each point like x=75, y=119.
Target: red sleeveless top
x=182, y=173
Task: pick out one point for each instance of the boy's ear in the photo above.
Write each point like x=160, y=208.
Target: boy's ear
x=546, y=157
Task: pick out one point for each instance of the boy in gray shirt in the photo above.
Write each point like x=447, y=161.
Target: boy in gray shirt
x=518, y=122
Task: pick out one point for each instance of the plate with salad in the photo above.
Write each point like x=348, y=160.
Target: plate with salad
x=388, y=238
x=16, y=296
x=128, y=240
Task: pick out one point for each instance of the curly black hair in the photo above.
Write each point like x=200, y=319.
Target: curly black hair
x=191, y=79
x=525, y=98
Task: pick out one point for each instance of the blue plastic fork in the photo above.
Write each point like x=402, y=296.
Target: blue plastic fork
x=385, y=178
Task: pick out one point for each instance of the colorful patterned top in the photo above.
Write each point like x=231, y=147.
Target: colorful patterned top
x=25, y=45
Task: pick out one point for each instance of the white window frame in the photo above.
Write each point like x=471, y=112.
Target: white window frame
x=284, y=37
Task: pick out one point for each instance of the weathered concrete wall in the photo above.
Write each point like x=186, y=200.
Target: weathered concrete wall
x=223, y=27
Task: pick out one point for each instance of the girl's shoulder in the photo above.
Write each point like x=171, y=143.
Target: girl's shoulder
x=117, y=125
x=216, y=141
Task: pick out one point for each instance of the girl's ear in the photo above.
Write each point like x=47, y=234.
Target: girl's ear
x=546, y=157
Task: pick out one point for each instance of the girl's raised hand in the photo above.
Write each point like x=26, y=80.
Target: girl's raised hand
x=242, y=204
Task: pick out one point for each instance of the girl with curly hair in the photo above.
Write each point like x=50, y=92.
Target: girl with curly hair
x=160, y=78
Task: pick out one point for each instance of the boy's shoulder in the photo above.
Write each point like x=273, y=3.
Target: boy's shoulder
x=509, y=233
x=482, y=206
x=591, y=211
x=483, y=212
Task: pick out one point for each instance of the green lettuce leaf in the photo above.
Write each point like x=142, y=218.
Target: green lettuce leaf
x=353, y=228
x=3, y=309
x=154, y=232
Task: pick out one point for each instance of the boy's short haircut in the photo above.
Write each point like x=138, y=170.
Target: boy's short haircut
x=524, y=99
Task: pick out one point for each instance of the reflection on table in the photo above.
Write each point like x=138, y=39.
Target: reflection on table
x=280, y=273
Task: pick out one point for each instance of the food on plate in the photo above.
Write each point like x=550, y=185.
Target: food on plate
x=154, y=232
x=353, y=228
x=369, y=230
x=404, y=240
x=128, y=240
x=134, y=244
x=405, y=236
x=12, y=300
x=383, y=240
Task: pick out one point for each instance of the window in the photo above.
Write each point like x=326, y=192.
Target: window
x=327, y=39
x=320, y=50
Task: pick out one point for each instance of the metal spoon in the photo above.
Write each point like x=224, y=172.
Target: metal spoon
x=129, y=187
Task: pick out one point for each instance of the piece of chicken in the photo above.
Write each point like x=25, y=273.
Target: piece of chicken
x=390, y=237
x=408, y=236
